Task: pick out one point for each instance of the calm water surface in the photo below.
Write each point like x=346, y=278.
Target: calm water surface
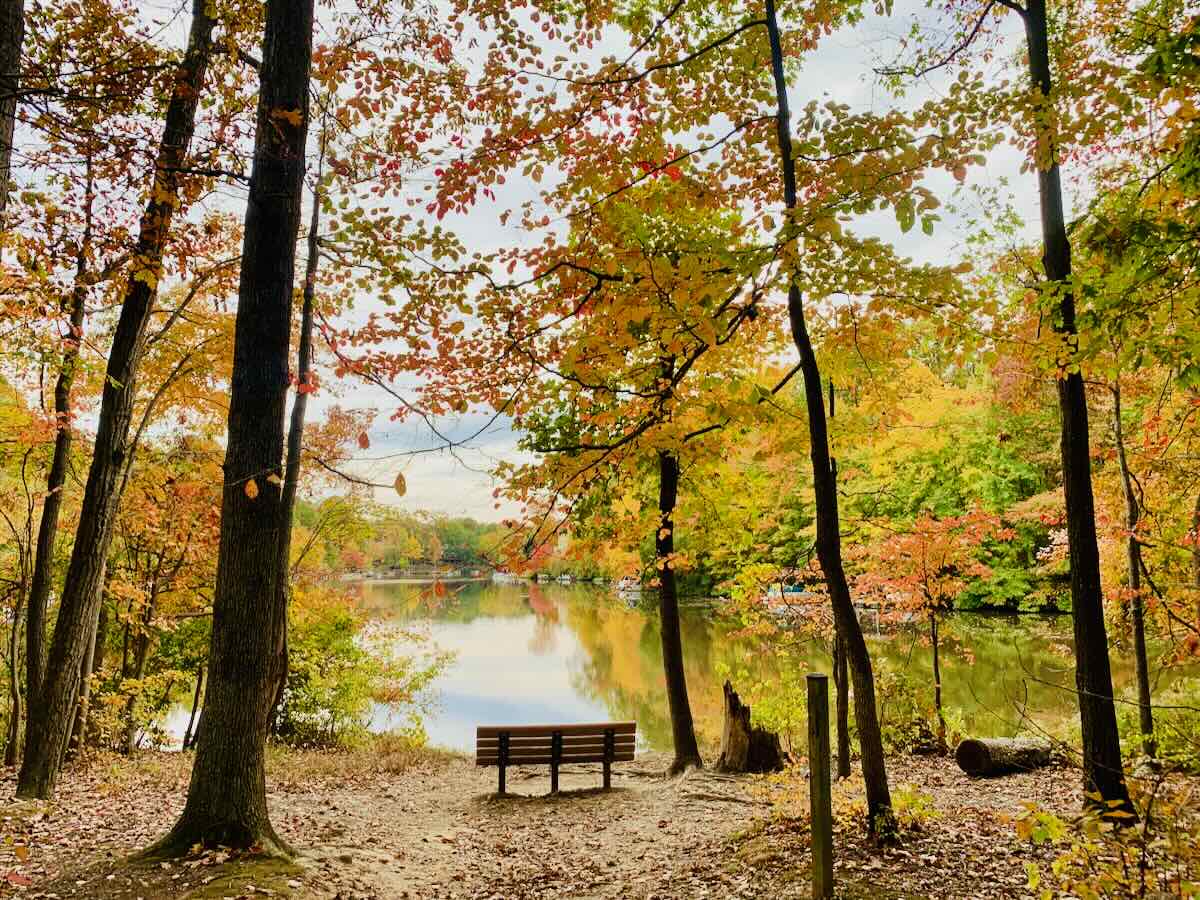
x=529, y=653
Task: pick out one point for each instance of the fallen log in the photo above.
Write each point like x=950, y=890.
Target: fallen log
x=998, y=756
x=745, y=748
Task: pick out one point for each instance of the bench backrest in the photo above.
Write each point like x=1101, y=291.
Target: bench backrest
x=530, y=745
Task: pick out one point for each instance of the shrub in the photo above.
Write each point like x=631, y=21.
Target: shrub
x=340, y=665
x=1106, y=854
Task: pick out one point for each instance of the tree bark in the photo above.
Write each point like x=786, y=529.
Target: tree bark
x=828, y=538
x=687, y=750
x=1102, y=770
x=50, y=724
x=1133, y=557
x=12, y=37
x=226, y=802
x=997, y=756
x=744, y=747
x=43, y=560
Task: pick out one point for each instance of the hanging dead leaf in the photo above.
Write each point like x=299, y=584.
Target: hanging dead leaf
x=400, y=484
x=364, y=440
x=251, y=489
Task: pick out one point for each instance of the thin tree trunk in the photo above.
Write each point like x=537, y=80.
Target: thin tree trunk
x=937, y=681
x=1196, y=555
x=1102, y=770
x=295, y=438
x=141, y=653
x=840, y=673
x=1133, y=556
x=43, y=560
x=14, y=685
x=187, y=733
x=841, y=680
x=79, y=726
x=12, y=36
x=828, y=539
x=687, y=750
x=226, y=802
x=48, y=729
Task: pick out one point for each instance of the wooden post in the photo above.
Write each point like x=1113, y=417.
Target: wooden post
x=610, y=741
x=503, y=758
x=820, y=804
x=555, y=757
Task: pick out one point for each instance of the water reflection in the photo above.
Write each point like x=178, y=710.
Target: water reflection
x=529, y=653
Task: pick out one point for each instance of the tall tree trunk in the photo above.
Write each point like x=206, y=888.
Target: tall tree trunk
x=687, y=751
x=227, y=802
x=50, y=723
x=1133, y=557
x=828, y=539
x=1102, y=770
x=12, y=36
x=43, y=560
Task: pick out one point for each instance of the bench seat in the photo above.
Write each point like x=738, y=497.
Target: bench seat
x=554, y=745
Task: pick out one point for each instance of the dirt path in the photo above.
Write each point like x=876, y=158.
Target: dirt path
x=434, y=831
x=454, y=838
x=432, y=828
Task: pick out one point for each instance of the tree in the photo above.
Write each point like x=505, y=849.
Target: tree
x=53, y=711
x=226, y=802
x=12, y=36
x=922, y=570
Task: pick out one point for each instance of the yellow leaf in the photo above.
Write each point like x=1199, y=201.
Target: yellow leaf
x=400, y=484
x=294, y=116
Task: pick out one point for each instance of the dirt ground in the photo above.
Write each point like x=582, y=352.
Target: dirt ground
x=435, y=829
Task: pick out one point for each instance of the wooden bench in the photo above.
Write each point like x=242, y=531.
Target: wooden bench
x=554, y=745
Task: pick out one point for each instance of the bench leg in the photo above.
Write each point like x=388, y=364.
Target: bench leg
x=607, y=774
x=556, y=745
x=501, y=779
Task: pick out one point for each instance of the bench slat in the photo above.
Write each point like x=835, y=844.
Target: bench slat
x=523, y=741
x=594, y=728
x=544, y=758
x=516, y=752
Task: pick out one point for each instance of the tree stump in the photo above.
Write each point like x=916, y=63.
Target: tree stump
x=746, y=748
x=998, y=756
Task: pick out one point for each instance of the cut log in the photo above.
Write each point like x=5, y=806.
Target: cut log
x=746, y=748
x=998, y=756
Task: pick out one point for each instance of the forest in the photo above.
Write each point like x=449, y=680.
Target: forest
x=801, y=331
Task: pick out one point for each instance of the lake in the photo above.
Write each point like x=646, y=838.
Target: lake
x=530, y=653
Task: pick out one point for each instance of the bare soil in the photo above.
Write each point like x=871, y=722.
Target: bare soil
x=434, y=828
